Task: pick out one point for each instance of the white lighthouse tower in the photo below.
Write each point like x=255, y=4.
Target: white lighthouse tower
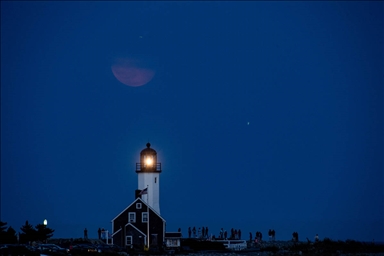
x=148, y=171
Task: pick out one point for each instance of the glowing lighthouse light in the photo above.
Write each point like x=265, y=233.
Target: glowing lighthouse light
x=149, y=161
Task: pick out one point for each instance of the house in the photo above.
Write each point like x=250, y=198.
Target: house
x=172, y=240
x=130, y=227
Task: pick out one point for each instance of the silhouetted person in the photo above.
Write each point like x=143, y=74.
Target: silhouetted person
x=206, y=231
x=225, y=234
x=85, y=233
x=179, y=230
x=189, y=232
x=99, y=233
x=194, y=232
x=296, y=237
x=239, y=234
x=203, y=232
x=250, y=236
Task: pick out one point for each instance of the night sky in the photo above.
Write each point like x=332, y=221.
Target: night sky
x=265, y=115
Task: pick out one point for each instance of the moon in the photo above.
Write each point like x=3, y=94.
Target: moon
x=133, y=71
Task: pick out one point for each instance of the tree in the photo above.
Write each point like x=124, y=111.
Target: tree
x=3, y=228
x=43, y=233
x=29, y=233
x=9, y=236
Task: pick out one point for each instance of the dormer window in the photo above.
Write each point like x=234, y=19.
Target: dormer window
x=138, y=205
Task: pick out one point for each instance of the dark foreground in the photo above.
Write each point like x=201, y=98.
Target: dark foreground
x=325, y=247
x=200, y=247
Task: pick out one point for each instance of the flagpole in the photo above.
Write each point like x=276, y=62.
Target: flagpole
x=147, y=218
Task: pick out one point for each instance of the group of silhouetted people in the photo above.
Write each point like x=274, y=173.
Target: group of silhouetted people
x=271, y=234
x=201, y=232
x=235, y=234
x=258, y=237
x=99, y=231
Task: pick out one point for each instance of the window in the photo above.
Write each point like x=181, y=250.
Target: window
x=132, y=217
x=144, y=217
x=155, y=179
x=128, y=241
x=138, y=205
x=172, y=242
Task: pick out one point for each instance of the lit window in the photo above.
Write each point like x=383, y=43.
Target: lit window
x=132, y=217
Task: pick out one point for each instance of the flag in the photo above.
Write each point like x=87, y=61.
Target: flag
x=144, y=191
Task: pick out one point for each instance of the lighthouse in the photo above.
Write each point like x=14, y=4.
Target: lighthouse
x=148, y=172
x=140, y=225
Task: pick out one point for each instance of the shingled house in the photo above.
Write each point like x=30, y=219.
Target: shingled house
x=130, y=227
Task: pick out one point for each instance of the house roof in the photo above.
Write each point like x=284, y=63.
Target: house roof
x=148, y=150
x=141, y=201
x=117, y=231
x=172, y=234
x=129, y=224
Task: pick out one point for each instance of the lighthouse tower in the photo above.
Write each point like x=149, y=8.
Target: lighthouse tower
x=148, y=172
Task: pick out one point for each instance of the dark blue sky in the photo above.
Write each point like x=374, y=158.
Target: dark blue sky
x=264, y=115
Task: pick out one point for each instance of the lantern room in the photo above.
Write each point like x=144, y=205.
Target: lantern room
x=148, y=161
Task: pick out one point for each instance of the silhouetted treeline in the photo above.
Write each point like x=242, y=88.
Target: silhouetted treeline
x=39, y=233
